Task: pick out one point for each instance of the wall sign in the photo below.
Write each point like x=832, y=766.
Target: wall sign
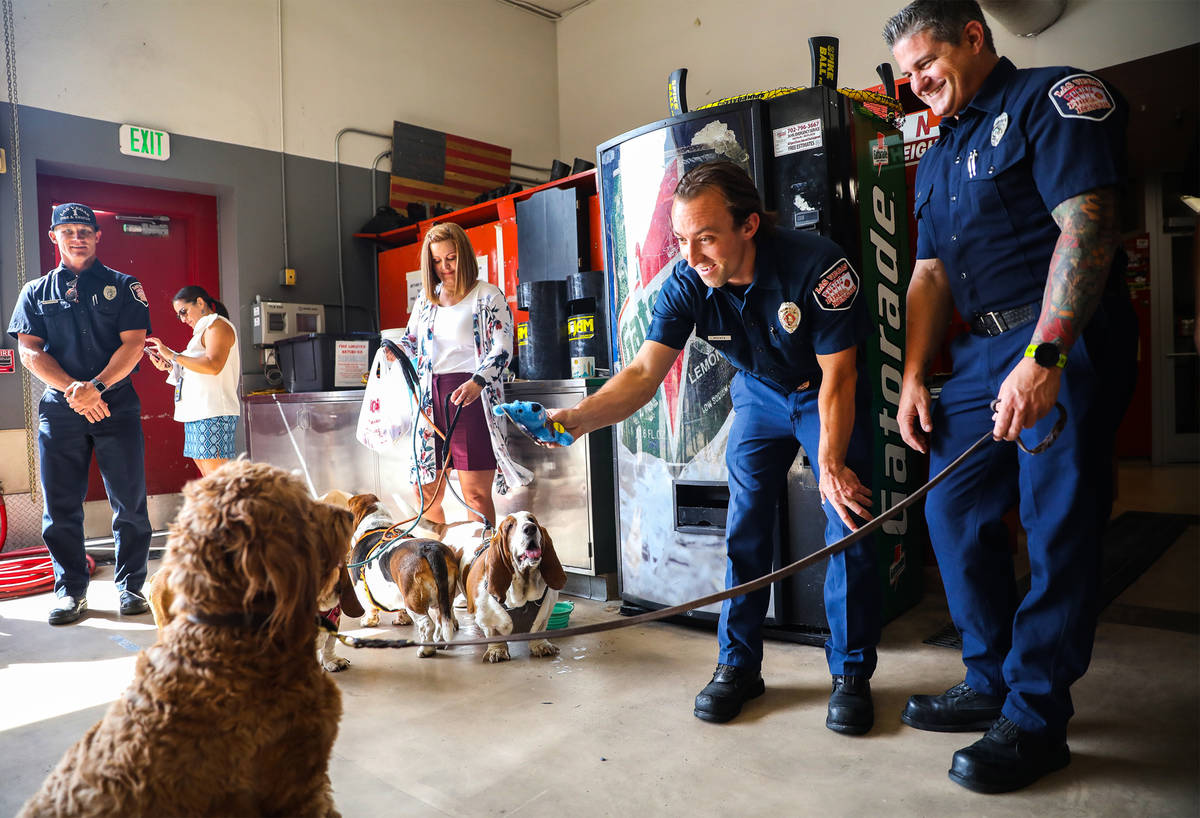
x=145, y=143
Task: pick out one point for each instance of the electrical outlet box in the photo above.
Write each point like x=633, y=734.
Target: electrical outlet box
x=268, y=356
x=287, y=276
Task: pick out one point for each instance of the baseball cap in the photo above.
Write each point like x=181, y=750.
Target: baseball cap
x=73, y=213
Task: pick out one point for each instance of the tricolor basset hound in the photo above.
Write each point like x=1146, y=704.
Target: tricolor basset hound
x=414, y=578
x=516, y=571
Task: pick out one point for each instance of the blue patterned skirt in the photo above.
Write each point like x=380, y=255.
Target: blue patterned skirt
x=211, y=438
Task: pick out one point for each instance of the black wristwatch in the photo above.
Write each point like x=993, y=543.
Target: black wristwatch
x=99, y=384
x=1046, y=355
x=479, y=380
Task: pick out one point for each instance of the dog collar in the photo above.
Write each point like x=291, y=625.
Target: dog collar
x=254, y=620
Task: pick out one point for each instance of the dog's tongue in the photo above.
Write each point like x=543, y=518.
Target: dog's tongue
x=533, y=553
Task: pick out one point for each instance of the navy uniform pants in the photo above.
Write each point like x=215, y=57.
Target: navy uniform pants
x=767, y=430
x=1029, y=649
x=65, y=444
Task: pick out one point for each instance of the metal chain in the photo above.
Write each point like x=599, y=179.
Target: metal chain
x=10, y=64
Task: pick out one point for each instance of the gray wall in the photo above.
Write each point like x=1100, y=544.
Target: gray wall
x=246, y=183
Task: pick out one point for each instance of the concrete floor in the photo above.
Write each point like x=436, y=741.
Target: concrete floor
x=606, y=728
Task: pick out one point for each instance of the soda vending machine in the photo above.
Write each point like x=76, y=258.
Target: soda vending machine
x=823, y=164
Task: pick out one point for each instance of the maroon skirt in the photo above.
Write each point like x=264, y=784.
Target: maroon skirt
x=470, y=443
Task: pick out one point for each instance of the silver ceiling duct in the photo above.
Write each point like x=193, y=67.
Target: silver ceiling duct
x=1025, y=18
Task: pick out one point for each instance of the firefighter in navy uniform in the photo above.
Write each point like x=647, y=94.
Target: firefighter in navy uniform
x=81, y=329
x=1016, y=206
x=784, y=308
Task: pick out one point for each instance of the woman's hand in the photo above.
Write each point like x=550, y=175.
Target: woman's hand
x=159, y=361
x=160, y=354
x=466, y=394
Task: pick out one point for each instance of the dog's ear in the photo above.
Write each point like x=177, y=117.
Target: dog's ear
x=346, y=596
x=500, y=540
x=361, y=505
x=551, y=568
x=500, y=565
x=461, y=584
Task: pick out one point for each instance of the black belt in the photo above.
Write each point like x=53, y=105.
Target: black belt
x=991, y=324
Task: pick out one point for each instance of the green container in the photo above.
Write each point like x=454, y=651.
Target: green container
x=560, y=615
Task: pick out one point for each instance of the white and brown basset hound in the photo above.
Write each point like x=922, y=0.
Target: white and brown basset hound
x=415, y=578
x=517, y=570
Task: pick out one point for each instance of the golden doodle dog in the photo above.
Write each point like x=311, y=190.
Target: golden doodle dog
x=336, y=597
x=227, y=713
x=518, y=574
x=417, y=577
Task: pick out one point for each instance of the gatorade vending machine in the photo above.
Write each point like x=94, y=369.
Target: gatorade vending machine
x=823, y=164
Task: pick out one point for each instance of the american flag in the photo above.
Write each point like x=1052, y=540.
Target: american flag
x=443, y=169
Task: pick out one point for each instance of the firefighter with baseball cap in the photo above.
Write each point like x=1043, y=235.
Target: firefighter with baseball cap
x=81, y=329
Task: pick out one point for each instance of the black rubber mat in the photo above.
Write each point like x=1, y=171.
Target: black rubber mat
x=1132, y=543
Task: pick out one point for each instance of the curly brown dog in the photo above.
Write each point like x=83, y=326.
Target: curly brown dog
x=228, y=713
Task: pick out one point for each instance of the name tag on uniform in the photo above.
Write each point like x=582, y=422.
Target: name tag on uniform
x=50, y=301
x=720, y=337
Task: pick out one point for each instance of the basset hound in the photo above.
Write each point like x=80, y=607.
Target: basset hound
x=414, y=578
x=514, y=577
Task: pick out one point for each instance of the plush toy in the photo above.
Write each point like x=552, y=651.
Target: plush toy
x=531, y=419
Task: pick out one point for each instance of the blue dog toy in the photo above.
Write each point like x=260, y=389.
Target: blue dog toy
x=531, y=419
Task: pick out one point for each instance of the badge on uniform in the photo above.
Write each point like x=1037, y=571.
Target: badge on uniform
x=837, y=287
x=1081, y=96
x=138, y=293
x=789, y=316
x=110, y=292
x=999, y=126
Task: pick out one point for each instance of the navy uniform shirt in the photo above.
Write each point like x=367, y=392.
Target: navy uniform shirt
x=1028, y=141
x=803, y=302
x=81, y=319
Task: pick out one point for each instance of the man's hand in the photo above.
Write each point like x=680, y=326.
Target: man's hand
x=1026, y=396
x=86, y=400
x=914, y=416
x=466, y=393
x=841, y=488
x=568, y=419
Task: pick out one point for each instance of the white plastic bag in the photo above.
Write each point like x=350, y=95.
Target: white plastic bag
x=388, y=408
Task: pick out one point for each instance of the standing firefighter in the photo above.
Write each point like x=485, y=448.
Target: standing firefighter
x=81, y=329
x=1016, y=206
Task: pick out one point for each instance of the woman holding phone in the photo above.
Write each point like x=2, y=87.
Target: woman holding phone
x=205, y=375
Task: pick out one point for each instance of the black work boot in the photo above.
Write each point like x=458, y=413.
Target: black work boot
x=1008, y=758
x=960, y=709
x=67, y=609
x=850, y=708
x=723, y=697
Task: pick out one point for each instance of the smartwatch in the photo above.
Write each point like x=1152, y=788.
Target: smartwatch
x=99, y=384
x=1046, y=355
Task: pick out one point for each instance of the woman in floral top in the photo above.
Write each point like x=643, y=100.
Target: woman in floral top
x=460, y=336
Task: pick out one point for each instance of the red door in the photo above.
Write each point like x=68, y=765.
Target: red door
x=185, y=255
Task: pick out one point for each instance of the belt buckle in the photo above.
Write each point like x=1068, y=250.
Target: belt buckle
x=993, y=324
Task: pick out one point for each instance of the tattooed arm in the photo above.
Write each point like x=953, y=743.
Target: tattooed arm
x=1078, y=272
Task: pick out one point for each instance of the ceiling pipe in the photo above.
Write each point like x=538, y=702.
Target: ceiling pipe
x=1025, y=18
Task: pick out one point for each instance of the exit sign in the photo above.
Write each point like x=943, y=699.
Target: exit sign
x=146, y=143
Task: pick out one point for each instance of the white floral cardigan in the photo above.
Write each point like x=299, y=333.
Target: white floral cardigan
x=492, y=323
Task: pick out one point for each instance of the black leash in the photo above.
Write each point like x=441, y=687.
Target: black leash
x=747, y=587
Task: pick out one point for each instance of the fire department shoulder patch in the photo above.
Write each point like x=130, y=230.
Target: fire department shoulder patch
x=138, y=292
x=1081, y=96
x=837, y=287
